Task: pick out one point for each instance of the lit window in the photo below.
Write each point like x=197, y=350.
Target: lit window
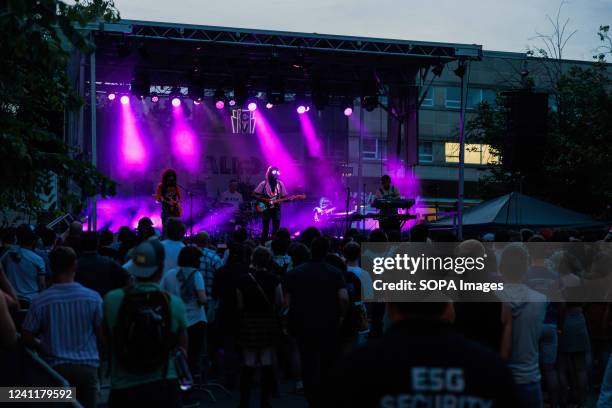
x=453, y=97
x=429, y=98
x=370, y=148
x=425, y=152
x=473, y=154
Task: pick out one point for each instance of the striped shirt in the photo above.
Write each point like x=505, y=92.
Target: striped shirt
x=65, y=318
x=209, y=263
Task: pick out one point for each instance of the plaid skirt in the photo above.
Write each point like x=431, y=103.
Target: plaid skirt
x=258, y=331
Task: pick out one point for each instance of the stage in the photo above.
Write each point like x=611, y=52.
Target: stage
x=222, y=104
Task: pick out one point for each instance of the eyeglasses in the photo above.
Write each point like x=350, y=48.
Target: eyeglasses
x=275, y=172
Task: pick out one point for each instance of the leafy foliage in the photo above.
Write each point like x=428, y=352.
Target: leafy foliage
x=35, y=94
x=579, y=144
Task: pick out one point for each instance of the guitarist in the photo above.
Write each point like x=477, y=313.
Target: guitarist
x=271, y=188
x=169, y=195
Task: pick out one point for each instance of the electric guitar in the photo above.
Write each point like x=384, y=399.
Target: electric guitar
x=264, y=204
x=174, y=206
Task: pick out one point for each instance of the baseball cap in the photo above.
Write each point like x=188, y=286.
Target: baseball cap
x=146, y=259
x=488, y=237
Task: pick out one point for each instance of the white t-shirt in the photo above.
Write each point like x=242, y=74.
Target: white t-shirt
x=367, y=290
x=194, y=312
x=172, y=249
x=234, y=199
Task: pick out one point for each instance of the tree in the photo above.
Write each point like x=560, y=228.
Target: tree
x=576, y=163
x=35, y=93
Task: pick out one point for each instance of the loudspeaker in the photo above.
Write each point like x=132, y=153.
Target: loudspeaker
x=525, y=142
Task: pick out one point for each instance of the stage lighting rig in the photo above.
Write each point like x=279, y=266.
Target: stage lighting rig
x=219, y=98
x=320, y=98
x=140, y=86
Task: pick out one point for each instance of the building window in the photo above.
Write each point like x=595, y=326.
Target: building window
x=429, y=97
x=489, y=96
x=474, y=98
x=370, y=148
x=474, y=154
x=453, y=97
x=425, y=152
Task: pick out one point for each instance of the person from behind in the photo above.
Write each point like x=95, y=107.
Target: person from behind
x=25, y=269
x=107, y=244
x=528, y=311
x=64, y=324
x=210, y=263
x=317, y=299
x=421, y=361
x=356, y=319
x=72, y=238
x=144, y=327
x=488, y=321
x=186, y=282
x=98, y=272
x=352, y=255
x=175, y=232
x=259, y=297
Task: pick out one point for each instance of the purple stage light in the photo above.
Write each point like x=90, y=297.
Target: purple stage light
x=176, y=102
x=232, y=102
x=111, y=96
x=269, y=105
x=196, y=102
x=301, y=109
x=155, y=99
x=125, y=100
x=348, y=111
x=252, y=106
x=219, y=104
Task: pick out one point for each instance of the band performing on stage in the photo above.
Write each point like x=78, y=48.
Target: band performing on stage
x=385, y=206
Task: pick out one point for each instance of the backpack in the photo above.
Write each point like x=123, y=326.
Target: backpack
x=142, y=337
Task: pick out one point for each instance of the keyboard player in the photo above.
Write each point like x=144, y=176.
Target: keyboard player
x=389, y=220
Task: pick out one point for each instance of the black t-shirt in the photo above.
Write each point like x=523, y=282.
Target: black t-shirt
x=423, y=363
x=480, y=322
x=314, y=310
x=100, y=273
x=254, y=301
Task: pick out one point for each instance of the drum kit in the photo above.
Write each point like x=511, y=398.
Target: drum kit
x=215, y=214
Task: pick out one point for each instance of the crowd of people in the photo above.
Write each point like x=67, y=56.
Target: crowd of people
x=155, y=311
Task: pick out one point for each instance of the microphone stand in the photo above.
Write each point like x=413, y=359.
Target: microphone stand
x=190, y=195
x=348, y=203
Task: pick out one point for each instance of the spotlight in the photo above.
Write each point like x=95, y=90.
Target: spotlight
x=301, y=109
x=232, y=102
x=125, y=100
x=269, y=105
x=196, y=102
x=111, y=96
x=154, y=98
x=252, y=106
x=219, y=98
x=347, y=103
x=176, y=102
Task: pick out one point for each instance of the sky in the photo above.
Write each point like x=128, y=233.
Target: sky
x=500, y=25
